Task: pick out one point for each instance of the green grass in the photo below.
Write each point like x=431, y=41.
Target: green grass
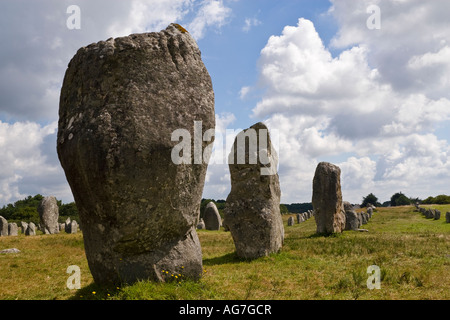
x=412, y=252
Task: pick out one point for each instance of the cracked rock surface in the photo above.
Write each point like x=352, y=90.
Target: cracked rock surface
x=120, y=102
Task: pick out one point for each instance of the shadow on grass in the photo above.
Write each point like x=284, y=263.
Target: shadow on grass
x=225, y=259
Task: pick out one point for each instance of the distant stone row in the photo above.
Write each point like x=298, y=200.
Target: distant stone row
x=29, y=229
x=301, y=217
x=432, y=213
x=353, y=220
x=48, y=214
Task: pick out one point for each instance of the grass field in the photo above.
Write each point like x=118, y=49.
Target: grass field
x=412, y=252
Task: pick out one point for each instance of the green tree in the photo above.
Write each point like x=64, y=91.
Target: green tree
x=68, y=210
x=399, y=199
x=372, y=199
x=283, y=209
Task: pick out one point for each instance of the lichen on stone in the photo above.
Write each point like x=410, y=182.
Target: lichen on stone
x=183, y=30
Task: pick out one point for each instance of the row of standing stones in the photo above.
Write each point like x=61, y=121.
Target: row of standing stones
x=48, y=215
x=430, y=213
x=121, y=101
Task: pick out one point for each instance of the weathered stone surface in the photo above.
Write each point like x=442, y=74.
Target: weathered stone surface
x=211, y=217
x=31, y=229
x=252, y=210
x=23, y=226
x=121, y=102
x=71, y=227
x=13, y=230
x=364, y=218
x=447, y=217
x=352, y=220
x=437, y=214
x=12, y=250
x=290, y=221
x=299, y=218
x=327, y=199
x=201, y=225
x=429, y=214
x=3, y=227
x=49, y=214
x=370, y=212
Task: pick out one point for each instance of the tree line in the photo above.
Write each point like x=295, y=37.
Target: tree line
x=26, y=210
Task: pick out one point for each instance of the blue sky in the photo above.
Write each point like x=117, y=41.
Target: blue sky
x=373, y=101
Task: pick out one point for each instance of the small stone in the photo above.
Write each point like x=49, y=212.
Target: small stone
x=201, y=225
x=211, y=217
x=31, y=230
x=290, y=221
x=3, y=227
x=6, y=251
x=13, y=230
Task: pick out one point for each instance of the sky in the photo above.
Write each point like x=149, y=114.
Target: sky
x=361, y=84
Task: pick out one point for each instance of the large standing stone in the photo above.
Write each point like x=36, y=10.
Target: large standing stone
x=327, y=199
x=370, y=212
x=13, y=230
x=290, y=221
x=125, y=103
x=23, y=226
x=352, y=220
x=211, y=217
x=71, y=227
x=447, y=217
x=437, y=214
x=31, y=229
x=3, y=227
x=252, y=210
x=49, y=214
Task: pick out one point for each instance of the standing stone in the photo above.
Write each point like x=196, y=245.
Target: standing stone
x=129, y=108
x=370, y=212
x=211, y=217
x=447, y=217
x=364, y=218
x=201, y=225
x=437, y=214
x=299, y=218
x=23, y=226
x=290, y=221
x=67, y=225
x=252, y=210
x=352, y=221
x=13, y=230
x=429, y=214
x=72, y=227
x=49, y=214
x=327, y=199
x=3, y=227
x=31, y=229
